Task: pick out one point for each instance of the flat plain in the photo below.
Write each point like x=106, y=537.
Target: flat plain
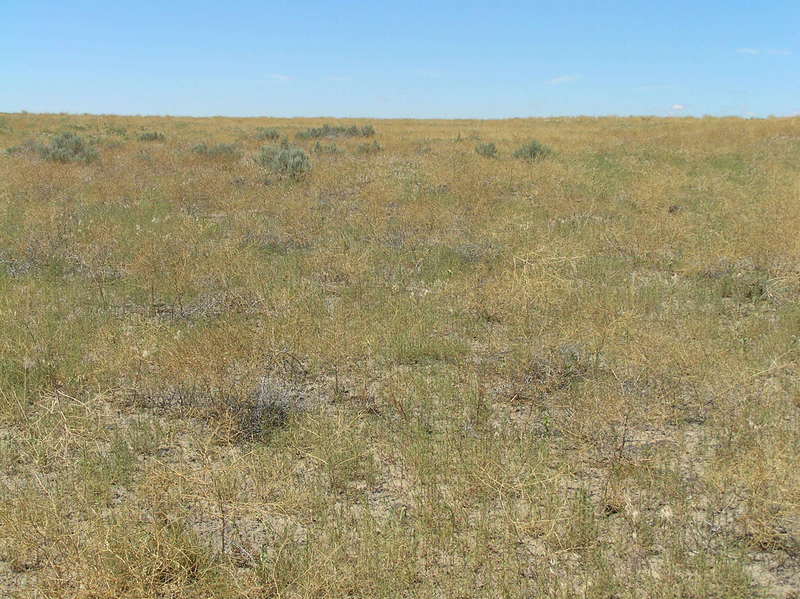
x=401, y=362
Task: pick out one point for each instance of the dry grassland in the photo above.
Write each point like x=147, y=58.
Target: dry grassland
x=412, y=371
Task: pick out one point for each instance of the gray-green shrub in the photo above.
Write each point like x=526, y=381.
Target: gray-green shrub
x=372, y=148
x=217, y=151
x=533, y=150
x=152, y=136
x=67, y=147
x=267, y=133
x=488, y=150
x=285, y=160
x=326, y=148
x=337, y=131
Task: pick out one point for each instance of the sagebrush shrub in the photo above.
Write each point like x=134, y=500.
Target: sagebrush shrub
x=337, y=131
x=26, y=146
x=152, y=136
x=267, y=133
x=217, y=151
x=285, y=160
x=67, y=147
x=488, y=150
x=533, y=150
x=372, y=148
x=326, y=148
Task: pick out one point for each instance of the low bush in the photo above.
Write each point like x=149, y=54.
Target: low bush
x=152, y=136
x=241, y=414
x=26, y=146
x=267, y=133
x=326, y=149
x=372, y=148
x=533, y=150
x=337, y=131
x=217, y=151
x=285, y=160
x=67, y=147
x=488, y=150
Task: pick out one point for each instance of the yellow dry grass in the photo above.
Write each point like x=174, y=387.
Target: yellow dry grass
x=416, y=372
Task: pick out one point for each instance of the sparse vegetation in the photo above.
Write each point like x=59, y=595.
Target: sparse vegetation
x=267, y=133
x=320, y=148
x=370, y=148
x=118, y=131
x=152, y=136
x=533, y=150
x=487, y=150
x=337, y=131
x=26, y=146
x=285, y=160
x=426, y=374
x=67, y=147
x=217, y=150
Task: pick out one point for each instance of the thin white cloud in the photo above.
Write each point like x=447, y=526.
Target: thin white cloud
x=561, y=79
x=678, y=107
x=279, y=77
x=771, y=51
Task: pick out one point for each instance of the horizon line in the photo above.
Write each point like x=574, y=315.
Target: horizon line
x=405, y=118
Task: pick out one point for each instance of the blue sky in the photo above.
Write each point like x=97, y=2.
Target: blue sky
x=401, y=59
